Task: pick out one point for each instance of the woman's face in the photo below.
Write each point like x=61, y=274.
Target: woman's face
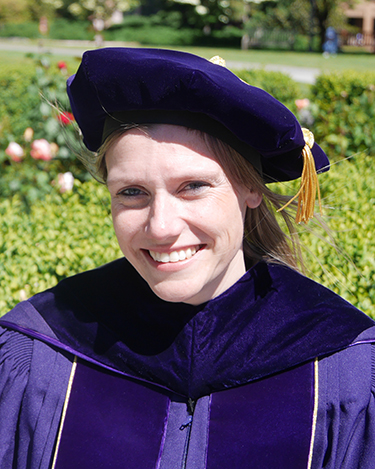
x=177, y=217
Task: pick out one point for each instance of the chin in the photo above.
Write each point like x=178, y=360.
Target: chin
x=174, y=295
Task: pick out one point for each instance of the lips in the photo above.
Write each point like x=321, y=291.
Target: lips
x=174, y=256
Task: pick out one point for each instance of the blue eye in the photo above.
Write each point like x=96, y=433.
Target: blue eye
x=131, y=192
x=195, y=186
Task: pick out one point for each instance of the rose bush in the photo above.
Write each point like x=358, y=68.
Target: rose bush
x=36, y=143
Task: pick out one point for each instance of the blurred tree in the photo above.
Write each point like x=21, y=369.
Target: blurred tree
x=290, y=15
x=308, y=17
x=107, y=12
x=151, y=7
x=329, y=13
x=205, y=14
x=14, y=11
x=43, y=8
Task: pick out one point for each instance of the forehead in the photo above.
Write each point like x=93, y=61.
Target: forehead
x=161, y=145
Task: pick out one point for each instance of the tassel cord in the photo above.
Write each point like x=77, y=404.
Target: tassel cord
x=309, y=184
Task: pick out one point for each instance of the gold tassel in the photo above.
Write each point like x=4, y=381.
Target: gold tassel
x=309, y=183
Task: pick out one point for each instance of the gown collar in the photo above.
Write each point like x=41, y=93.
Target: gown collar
x=270, y=320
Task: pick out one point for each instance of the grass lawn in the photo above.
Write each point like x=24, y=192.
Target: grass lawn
x=9, y=58
x=71, y=52
x=344, y=61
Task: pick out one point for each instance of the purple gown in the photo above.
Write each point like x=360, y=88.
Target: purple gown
x=97, y=372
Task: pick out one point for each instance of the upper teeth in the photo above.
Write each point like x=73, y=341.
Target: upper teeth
x=173, y=256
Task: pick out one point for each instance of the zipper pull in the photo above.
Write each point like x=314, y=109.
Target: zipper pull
x=187, y=423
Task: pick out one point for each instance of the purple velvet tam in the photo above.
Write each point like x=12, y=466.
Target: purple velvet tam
x=117, y=86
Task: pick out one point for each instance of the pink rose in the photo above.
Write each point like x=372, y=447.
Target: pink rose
x=15, y=151
x=65, y=181
x=41, y=150
x=302, y=103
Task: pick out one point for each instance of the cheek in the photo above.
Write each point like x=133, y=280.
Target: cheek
x=225, y=221
x=126, y=227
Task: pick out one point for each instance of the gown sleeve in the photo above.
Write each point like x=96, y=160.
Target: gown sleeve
x=33, y=383
x=15, y=361
x=345, y=431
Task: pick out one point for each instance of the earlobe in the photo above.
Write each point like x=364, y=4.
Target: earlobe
x=253, y=199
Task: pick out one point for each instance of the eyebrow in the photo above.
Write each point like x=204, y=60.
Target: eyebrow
x=209, y=175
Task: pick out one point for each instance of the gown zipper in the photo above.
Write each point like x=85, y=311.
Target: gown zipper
x=187, y=426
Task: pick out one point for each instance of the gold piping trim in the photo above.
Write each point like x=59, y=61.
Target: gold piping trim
x=65, y=408
x=315, y=413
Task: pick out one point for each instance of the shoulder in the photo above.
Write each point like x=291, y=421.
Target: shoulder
x=305, y=292
x=345, y=432
x=33, y=383
x=15, y=356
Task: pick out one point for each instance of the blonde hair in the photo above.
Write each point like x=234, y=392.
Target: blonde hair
x=264, y=239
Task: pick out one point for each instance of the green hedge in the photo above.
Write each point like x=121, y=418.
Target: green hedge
x=29, y=30
x=64, y=234
x=348, y=198
x=58, y=29
x=279, y=85
x=158, y=30
x=164, y=30
x=16, y=103
x=344, y=112
x=71, y=30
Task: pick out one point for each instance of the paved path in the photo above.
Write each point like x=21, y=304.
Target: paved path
x=76, y=48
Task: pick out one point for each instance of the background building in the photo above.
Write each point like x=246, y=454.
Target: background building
x=362, y=15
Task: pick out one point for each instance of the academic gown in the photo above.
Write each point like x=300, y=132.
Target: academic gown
x=98, y=372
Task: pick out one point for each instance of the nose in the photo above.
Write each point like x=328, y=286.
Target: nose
x=165, y=218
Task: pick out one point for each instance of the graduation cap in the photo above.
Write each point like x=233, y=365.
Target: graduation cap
x=114, y=87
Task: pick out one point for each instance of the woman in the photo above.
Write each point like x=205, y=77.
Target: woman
x=175, y=356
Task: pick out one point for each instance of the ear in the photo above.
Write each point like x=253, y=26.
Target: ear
x=253, y=199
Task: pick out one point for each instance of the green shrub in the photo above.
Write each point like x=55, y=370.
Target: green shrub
x=16, y=103
x=157, y=35
x=344, y=112
x=62, y=235
x=30, y=30
x=165, y=28
x=72, y=30
x=279, y=85
x=229, y=36
x=348, y=199
x=302, y=43
x=60, y=28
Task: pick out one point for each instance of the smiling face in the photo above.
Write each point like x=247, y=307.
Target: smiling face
x=177, y=217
